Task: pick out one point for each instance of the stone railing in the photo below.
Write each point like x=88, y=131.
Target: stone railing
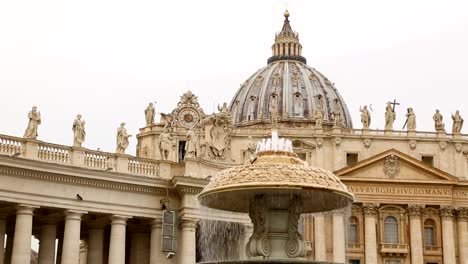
x=143, y=166
x=432, y=248
x=10, y=145
x=99, y=159
x=355, y=246
x=390, y=248
x=86, y=158
x=54, y=153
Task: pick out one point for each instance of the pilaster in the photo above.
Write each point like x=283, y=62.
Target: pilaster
x=462, y=217
x=370, y=232
x=448, y=243
x=416, y=241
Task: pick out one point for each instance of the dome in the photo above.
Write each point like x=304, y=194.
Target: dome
x=289, y=85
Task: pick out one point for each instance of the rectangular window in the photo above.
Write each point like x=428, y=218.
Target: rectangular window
x=428, y=160
x=429, y=236
x=181, y=151
x=351, y=159
x=353, y=234
x=354, y=261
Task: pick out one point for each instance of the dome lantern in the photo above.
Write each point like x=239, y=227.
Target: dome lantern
x=286, y=46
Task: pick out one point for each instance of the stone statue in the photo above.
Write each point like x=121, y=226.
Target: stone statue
x=224, y=110
x=457, y=123
x=336, y=113
x=365, y=117
x=167, y=120
x=165, y=144
x=79, y=133
x=122, y=139
x=191, y=145
x=274, y=116
x=318, y=116
x=149, y=115
x=389, y=116
x=438, y=121
x=34, y=122
x=250, y=152
x=410, y=120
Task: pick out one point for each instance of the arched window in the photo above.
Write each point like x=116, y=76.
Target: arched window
x=353, y=234
x=391, y=230
x=429, y=232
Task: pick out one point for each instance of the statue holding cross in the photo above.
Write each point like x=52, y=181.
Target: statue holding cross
x=390, y=115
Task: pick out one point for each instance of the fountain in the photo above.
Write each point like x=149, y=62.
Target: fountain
x=275, y=189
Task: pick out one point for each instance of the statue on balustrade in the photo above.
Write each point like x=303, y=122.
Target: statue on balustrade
x=34, y=122
x=365, y=117
x=191, y=145
x=122, y=139
x=389, y=116
x=438, y=121
x=166, y=144
x=79, y=133
x=410, y=120
x=149, y=115
x=336, y=113
x=457, y=123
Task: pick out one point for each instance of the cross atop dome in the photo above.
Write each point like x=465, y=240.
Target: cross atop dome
x=286, y=46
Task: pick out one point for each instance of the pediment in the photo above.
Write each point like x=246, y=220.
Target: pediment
x=393, y=165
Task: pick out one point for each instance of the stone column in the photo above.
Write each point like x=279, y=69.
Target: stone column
x=416, y=241
x=370, y=233
x=117, y=240
x=47, y=244
x=319, y=238
x=463, y=235
x=448, y=242
x=156, y=254
x=188, y=239
x=71, y=238
x=2, y=238
x=23, y=231
x=339, y=251
x=95, y=245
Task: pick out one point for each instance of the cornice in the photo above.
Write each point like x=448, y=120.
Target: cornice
x=157, y=188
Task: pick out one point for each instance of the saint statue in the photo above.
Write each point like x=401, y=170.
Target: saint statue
x=250, y=152
x=318, y=116
x=34, y=122
x=274, y=116
x=122, y=139
x=191, y=145
x=410, y=120
x=438, y=121
x=149, y=114
x=224, y=110
x=336, y=114
x=457, y=123
x=389, y=116
x=165, y=144
x=365, y=117
x=79, y=133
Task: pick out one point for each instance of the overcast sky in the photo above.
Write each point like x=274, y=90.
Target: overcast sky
x=107, y=59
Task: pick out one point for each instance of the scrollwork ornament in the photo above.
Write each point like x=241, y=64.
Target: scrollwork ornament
x=337, y=141
x=367, y=142
x=443, y=145
x=295, y=246
x=412, y=144
x=458, y=147
x=391, y=166
x=319, y=142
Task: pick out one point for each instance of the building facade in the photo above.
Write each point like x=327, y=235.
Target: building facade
x=410, y=186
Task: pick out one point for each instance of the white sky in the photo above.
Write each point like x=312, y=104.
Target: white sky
x=107, y=59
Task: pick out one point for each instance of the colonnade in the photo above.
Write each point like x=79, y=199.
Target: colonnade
x=145, y=246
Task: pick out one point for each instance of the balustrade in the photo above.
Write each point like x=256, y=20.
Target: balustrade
x=143, y=166
x=96, y=159
x=55, y=153
x=10, y=145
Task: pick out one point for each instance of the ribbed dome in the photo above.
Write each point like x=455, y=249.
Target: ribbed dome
x=288, y=85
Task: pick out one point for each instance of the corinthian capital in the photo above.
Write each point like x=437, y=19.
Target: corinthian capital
x=446, y=211
x=462, y=214
x=414, y=210
x=370, y=209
